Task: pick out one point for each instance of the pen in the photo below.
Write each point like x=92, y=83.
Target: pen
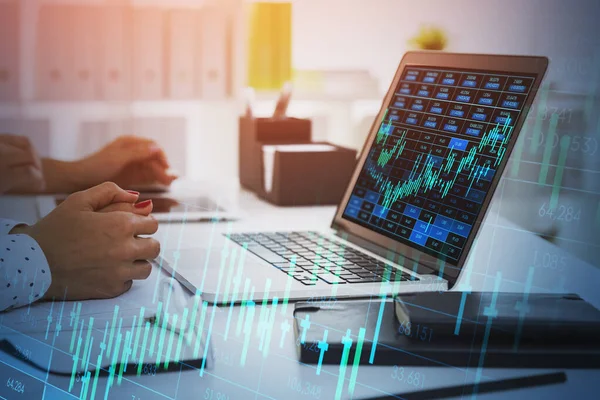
x=283, y=101
x=485, y=387
x=249, y=95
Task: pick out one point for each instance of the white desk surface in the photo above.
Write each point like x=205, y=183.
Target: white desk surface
x=501, y=248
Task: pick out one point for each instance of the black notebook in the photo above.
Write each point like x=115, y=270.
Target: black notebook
x=557, y=331
x=517, y=318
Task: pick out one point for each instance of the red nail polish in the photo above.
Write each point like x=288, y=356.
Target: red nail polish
x=143, y=204
x=133, y=192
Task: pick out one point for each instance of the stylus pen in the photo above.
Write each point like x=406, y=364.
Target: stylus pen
x=485, y=387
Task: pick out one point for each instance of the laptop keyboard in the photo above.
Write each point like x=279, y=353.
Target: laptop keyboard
x=317, y=258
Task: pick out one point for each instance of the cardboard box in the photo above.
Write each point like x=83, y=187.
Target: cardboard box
x=299, y=178
x=256, y=132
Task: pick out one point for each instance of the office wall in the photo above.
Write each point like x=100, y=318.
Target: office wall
x=339, y=34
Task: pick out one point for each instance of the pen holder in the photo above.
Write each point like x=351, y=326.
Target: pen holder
x=309, y=178
x=256, y=132
x=297, y=177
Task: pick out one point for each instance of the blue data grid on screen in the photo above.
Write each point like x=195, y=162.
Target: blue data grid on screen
x=386, y=128
x=460, y=228
x=443, y=222
x=372, y=197
x=510, y=104
x=439, y=233
x=422, y=227
x=412, y=211
x=451, y=128
x=475, y=195
x=487, y=175
x=418, y=238
x=472, y=132
x=458, y=144
x=436, y=161
x=352, y=212
x=355, y=201
x=450, y=118
x=380, y=211
x=479, y=116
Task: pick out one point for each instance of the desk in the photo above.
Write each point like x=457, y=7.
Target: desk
x=501, y=248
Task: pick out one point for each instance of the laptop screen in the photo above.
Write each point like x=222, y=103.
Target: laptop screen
x=437, y=150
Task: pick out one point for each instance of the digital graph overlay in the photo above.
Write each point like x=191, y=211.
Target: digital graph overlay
x=430, y=167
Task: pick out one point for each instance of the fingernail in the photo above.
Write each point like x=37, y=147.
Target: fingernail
x=133, y=192
x=143, y=204
x=154, y=148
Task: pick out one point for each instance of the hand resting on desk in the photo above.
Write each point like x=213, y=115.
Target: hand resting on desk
x=92, y=243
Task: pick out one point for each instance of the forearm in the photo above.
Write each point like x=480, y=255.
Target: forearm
x=63, y=176
x=24, y=272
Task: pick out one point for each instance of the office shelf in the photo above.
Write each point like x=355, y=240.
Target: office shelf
x=211, y=125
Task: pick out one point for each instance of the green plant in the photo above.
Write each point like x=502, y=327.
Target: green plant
x=430, y=38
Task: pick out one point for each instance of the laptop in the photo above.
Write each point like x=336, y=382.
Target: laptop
x=415, y=202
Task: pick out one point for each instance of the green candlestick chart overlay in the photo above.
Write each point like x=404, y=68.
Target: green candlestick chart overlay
x=426, y=175
x=109, y=352
x=113, y=350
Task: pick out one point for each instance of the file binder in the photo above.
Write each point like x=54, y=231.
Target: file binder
x=54, y=55
x=184, y=54
x=84, y=39
x=214, y=60
x=148, y=53
x=115, y=53
x=9, y=51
